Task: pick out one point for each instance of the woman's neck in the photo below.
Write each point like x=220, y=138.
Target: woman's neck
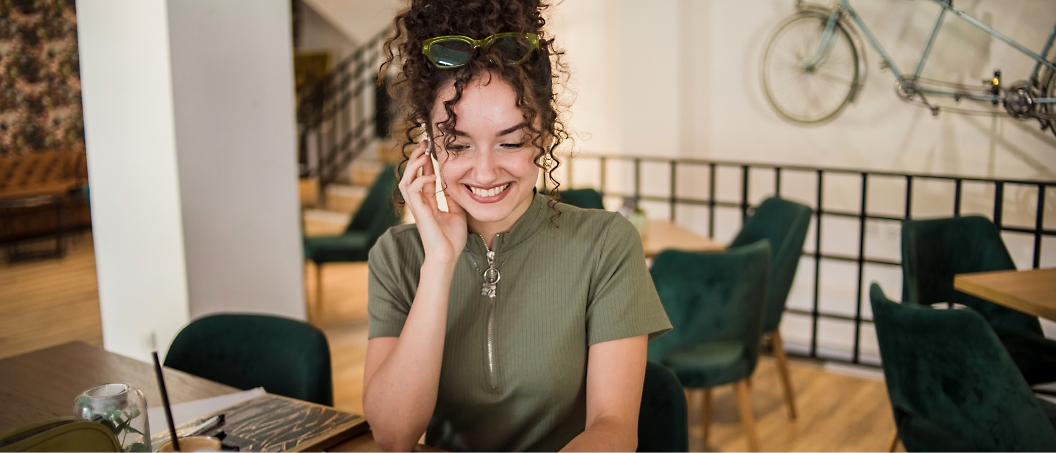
x=488, y=230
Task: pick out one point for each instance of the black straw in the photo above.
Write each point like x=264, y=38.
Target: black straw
x=165, y=402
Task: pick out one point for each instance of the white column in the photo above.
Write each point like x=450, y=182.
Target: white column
x=232, y=72
x=126, y=86
x=189, y=124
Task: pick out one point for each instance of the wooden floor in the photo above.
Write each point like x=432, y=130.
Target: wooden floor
x=49, y=302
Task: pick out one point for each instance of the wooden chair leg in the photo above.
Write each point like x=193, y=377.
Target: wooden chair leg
x=744, y=406
x=782, y=369
x=318, y=293
x=307, y=293
x=894, y=440
x=705, y=414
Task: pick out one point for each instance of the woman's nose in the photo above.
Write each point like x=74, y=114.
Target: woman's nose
x=486, y=166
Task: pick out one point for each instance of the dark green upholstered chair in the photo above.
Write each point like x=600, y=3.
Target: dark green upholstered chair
x=662, y=424
x=784, y=224
x=952, y=386
x=285, y=356
x=375, y=216
x=582, y=198
x=715, y=302
x=933, y=251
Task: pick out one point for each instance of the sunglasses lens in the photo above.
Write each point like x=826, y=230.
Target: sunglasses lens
x=450, y=53
x=512, y=49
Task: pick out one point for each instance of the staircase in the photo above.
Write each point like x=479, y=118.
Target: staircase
x=342, y=124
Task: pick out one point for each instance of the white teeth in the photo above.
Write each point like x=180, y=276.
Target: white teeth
x=490, y=192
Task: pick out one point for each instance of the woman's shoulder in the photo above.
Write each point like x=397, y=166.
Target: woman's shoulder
x=590, y=219
x=592, y=222
x=400, y=240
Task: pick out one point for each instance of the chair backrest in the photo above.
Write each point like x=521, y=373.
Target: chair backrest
x=933, y=251
x=377, y=213
x=712, y=296
x=582, y=198
x=784, y=223
x=285, y=356
x=662, y=423
x=951, y=383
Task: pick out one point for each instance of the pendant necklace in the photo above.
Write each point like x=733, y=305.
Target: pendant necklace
x=491, y=274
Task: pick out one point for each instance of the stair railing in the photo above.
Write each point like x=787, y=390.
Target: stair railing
x=336, y=117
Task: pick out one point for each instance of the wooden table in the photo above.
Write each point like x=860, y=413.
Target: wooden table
x=665, y=234
x=43, y=384
x=1032, y=291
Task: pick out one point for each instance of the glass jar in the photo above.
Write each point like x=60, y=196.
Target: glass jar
x=122, y=408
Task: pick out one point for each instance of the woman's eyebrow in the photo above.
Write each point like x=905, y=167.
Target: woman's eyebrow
x=510, y=130
x=507, y=131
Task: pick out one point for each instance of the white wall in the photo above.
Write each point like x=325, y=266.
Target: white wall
x=130, y=136
x=680, y=78
x=318, y=35
x=189, y=125
x=232, y=65
x=360, y=20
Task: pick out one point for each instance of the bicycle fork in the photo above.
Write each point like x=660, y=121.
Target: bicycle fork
x=828, y=39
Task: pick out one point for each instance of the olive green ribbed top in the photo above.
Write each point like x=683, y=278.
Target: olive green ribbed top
x=564, y=286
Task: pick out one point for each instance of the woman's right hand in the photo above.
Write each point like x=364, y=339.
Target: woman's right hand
x=443, y=233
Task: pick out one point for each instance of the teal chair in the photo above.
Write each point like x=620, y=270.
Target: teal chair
x=662, y=424
x=933, y=251
x=375, y=216
x=285, y=356
x=952, y=385
x=784, y=224
x=582, y=198
x=715, y=303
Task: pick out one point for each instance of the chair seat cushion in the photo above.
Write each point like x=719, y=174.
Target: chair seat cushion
x=350, y=246
x=711, y=364
x=918, y=433
x=1035, y=355
x=1050, y=410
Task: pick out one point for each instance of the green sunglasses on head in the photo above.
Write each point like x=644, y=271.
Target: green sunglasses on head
x=453, y=51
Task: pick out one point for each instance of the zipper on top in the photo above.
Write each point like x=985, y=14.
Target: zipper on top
x=490, y=255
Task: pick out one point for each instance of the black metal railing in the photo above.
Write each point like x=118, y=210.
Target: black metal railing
x=336, y=117
x=823, y=213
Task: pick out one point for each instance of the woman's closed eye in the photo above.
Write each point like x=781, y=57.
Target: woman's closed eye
x=457, y=147
x=513, y=146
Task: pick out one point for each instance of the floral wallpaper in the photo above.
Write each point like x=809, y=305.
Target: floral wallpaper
x=40, y=82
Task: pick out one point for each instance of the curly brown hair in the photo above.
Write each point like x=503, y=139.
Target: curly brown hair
x=419, y=82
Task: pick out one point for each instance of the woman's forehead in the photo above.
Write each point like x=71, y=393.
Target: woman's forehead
x=487, y=106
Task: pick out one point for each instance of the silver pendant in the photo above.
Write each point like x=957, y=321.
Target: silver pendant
x=491, y=277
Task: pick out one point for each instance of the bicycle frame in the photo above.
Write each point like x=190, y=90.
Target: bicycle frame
x=835, y=16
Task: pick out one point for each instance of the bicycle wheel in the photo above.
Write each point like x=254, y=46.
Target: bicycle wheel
x=808, y=94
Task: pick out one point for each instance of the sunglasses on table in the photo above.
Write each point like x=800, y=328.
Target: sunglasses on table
x=452, y=51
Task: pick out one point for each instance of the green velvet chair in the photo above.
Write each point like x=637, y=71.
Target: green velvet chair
x=933, y=251
x=285, y=356
x=582, y=198
x=952, y=385
x=375, y=216
x=662, y=424
x=784, y=224
x=715, y=302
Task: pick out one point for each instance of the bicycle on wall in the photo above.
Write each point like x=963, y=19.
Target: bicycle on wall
x=814, y=65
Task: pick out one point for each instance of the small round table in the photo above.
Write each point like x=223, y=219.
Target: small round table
x=13, y=215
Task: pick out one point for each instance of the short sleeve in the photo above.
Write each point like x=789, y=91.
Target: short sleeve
x=624, y=302
x=392, y=282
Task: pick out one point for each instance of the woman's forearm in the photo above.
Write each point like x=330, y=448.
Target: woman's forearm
x=400, y=395
x=605, y=435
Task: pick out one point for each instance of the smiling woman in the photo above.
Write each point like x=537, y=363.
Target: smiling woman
x=509, y=321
